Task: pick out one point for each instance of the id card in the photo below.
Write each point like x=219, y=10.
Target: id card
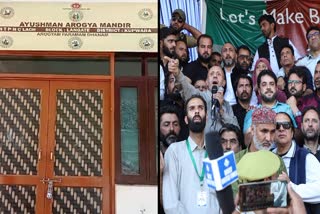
x=202, y=197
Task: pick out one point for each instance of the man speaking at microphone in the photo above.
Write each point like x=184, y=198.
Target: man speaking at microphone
x=219, y=110
x=185, y=190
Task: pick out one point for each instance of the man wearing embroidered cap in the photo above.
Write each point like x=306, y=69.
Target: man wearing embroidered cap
x=263, y=129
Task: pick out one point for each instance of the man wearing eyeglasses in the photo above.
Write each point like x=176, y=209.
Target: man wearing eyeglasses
x=303, y=167
x=311, y=59
x=296, y=87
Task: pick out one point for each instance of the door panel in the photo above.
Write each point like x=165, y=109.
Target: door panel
x=23, y=134
x=80, y=141
x=17, y=199
x=59, y=132
x=77, y=200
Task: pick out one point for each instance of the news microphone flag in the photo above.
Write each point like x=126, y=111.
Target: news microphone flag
x=221, y=172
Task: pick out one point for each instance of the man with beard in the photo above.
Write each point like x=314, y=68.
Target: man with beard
x=263, y=128
x=297, y=84
x=178, y=23
x=169, y=126
x=169, y=132
x=167, y=46
x=184, y=187
x=270, y=49
x=302, y=166
x=182, y=53
x=216, y=59
x=243, y=93
x=267, y=88
x=199, y=68
x=221, y=112
x=229, y=55
x=310, y=127
x=242, y=66
x=311, y=59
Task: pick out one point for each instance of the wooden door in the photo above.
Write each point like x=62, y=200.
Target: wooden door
x=56, y=133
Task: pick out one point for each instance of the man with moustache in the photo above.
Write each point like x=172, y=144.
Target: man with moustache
x=222, y=112
x=184, y=187
x=310, y=127
x=216, y=59
x=297, y=84
x=231, y=138
x=169, y=126
x=199, y=68
x=242, y=66
x=182, y=53
x=267, y=87
x=302, y=166
x=169, y=132
x=244, y=88
x=229, y=55
x=270, y=49
x=263, y=132
x=167, y=46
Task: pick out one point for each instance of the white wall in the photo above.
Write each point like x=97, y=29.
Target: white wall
x=136, y=199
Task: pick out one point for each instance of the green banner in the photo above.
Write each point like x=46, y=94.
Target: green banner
x=235, y=21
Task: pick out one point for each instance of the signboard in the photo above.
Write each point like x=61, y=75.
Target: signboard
x=61, y=26
x=237, y=21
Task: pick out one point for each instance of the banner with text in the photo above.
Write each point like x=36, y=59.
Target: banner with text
x=62, y=26
x=237, y=21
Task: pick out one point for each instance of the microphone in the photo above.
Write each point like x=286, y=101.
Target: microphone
x=220, y=171
x=215, y=103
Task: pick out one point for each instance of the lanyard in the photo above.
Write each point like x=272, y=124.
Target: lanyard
x=201, y=177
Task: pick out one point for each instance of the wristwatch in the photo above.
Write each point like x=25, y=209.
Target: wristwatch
x=297, y=114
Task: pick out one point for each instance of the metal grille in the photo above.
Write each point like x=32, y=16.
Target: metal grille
x=77, y=200
x=78, y=150
x=17, y=199
x=19, y=130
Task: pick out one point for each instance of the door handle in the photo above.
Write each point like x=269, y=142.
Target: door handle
x=39, y=154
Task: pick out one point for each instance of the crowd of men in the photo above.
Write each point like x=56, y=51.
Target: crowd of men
x=270, y=102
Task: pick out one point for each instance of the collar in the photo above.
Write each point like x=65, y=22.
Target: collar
x=310, y=56
x=271, y=40
x=273, y=107
x=193, y=145
x=199, y=62
x=291, y=152
x=229, y=71
x=305, y=146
